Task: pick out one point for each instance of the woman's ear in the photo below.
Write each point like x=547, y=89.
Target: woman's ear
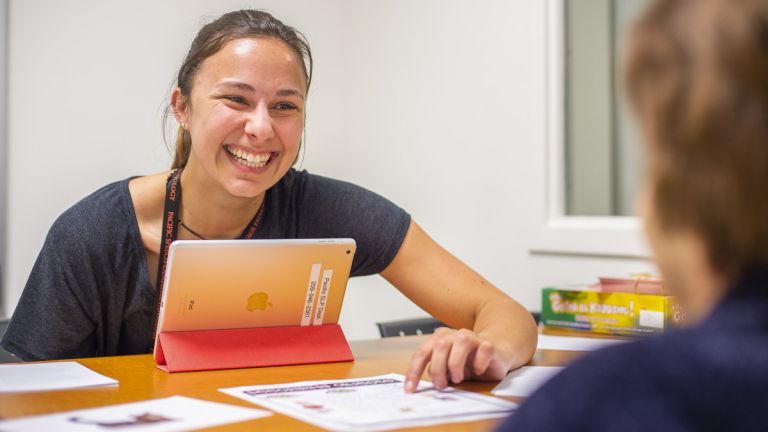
x=179, y=106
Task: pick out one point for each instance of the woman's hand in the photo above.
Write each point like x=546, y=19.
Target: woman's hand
x=453, y=356
x=503, y=332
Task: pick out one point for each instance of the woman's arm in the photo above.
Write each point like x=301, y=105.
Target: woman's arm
x=493, y=332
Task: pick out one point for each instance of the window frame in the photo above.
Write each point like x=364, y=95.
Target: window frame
x=612, y=236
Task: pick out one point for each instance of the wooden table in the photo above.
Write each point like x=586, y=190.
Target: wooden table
x=140, y=380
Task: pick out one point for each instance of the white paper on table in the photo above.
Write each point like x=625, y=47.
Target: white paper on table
x=372, y=403
x=524, y=381
x=574, y=343
x=49, y=376
x=177, y=413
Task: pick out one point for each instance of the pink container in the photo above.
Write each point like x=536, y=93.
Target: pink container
x=645, y=284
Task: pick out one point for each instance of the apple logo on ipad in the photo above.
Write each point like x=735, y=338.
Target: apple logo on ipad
x=258, y=301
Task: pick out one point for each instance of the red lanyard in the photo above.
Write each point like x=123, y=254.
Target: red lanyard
x=170, y=231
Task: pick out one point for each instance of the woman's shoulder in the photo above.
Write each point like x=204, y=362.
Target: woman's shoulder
x=105, y=213
x=310, y=185
x=318, y=194
x=106, y=202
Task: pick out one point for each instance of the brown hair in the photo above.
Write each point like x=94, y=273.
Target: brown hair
x=697, y=77
x=212, y=37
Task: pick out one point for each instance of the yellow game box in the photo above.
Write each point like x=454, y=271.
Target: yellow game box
x=617, y=313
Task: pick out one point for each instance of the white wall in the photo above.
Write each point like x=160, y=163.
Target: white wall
x=437, y=104
x=3, y=136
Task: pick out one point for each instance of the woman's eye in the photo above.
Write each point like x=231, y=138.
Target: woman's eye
x=285, y=106
x=236, y=99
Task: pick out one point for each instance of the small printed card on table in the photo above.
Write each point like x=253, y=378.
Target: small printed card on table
x=177, y=413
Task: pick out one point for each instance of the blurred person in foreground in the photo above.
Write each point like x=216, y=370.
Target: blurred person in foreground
x=697, y=79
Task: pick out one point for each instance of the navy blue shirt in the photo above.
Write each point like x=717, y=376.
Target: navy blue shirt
x=713, y=376
x=89, y=292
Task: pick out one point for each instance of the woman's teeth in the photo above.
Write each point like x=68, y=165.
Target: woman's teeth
x=249, y=160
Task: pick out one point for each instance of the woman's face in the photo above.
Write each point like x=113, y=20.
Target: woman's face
x=245, y=115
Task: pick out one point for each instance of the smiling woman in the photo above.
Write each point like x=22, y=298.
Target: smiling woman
x=240, y=103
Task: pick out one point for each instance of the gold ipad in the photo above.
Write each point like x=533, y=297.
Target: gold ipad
x=228, y=284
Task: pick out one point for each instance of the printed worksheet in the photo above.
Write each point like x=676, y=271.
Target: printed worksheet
x=372, y=403
x=176, y=413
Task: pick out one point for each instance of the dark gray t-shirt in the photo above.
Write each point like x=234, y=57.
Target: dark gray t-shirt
x=89, y=292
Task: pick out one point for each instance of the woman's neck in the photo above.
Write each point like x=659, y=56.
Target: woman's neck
x=211, y=211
